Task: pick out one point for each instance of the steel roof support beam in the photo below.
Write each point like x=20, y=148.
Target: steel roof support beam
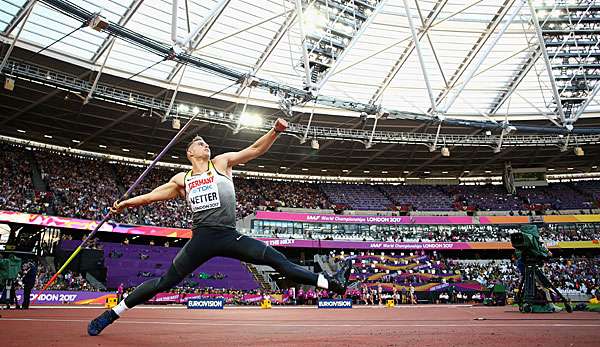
x=550, y=118
x=435, y=56
x=453, y=93
x=135, y=5
x=540, y=37
x=91, y=93
x=310, y=118
x=14, y=42
x=516, y=80
x=385, y=49
x=476, y=49
x=353, y=42
x=172, y=102
x=289, y=20
x=253, y=25
x=200, y=33
x=307, y=71
x=370, y=142
x=18, y=17
x=175, y=8
x=417, y=45
x=586, y=103
x=431, y=17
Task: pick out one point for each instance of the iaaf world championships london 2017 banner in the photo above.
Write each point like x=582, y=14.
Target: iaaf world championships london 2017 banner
x=36, y=219
x=57, y=297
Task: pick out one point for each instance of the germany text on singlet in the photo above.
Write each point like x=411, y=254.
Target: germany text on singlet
x=211, y=197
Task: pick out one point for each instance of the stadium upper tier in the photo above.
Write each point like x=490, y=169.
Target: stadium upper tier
x=86, y=187
x=40, y=182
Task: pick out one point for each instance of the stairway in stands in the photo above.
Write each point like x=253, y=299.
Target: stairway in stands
x=39, y=185
x=258, y=277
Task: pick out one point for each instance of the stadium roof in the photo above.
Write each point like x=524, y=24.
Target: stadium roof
x=381, y=66
x=511, y=84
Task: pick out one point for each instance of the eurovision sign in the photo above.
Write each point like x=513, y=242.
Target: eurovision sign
x=335, y=303
x=206, y=304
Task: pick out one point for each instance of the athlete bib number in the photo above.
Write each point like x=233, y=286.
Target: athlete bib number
x=203, y=193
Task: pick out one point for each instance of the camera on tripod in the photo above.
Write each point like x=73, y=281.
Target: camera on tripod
x=528, y=244
x=532, y=253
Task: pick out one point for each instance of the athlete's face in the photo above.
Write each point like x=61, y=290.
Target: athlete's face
x=198, y=149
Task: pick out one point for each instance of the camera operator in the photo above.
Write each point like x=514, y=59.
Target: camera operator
x=9, y=270
x=29, y=275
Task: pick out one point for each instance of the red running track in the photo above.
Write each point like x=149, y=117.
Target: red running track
x=414, y=326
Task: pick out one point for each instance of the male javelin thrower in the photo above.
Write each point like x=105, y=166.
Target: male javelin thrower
x=208, y=189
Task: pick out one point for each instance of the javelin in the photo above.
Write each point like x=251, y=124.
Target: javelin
x=125, y=196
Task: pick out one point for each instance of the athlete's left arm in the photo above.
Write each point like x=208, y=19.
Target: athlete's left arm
x=258, y=148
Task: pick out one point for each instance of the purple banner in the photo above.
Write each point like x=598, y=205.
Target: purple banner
x=365, y=245
x=59, y=297
x=334, y=218
x=174, y=298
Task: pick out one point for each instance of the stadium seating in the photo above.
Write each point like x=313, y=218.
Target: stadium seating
x=87, y=187
x=16, y=187
x=357, y=196
x=432, y=272
x=134, y=264
x=420, y=198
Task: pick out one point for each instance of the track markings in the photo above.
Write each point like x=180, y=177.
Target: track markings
x=271, y=324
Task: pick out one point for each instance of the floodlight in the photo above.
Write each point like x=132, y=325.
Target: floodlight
x=251, y=120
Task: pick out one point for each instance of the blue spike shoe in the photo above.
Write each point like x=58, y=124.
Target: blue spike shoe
x=102, y=321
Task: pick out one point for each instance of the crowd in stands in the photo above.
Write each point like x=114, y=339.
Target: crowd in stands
x=86, y=188
x=83, y=188
x=578, y=273
x=559, y=196
x=392, y=272
x=16, y=187
x=68, y=280
x=171, y=213
x=274, y=194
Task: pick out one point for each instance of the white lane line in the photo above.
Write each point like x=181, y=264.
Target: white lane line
x=271, y=324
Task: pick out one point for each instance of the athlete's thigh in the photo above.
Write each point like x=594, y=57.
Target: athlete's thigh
x=246, y=249
x=196, y=252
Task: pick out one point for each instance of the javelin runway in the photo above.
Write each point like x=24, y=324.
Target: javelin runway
x=306, y=326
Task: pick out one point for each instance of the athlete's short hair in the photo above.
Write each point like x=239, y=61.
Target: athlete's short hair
x=196, y=138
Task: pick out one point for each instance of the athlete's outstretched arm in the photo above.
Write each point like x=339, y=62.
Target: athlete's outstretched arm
x=258, y=148
x=167, y=191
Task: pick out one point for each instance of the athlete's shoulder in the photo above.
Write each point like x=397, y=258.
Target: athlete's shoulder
x=179, y=178
x=220, y=163
x=220, y=160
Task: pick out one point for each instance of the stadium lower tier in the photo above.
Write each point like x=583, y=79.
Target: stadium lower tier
x=372, y=274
